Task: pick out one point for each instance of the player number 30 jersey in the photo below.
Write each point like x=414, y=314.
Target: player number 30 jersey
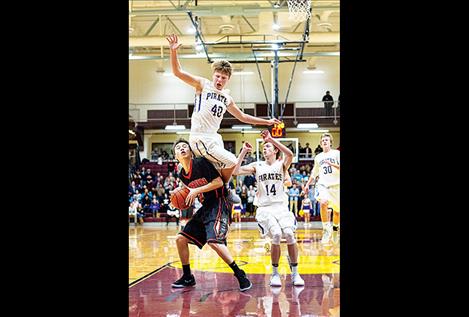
x=328, y=175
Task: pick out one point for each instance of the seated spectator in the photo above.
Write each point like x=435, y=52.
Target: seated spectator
x=172, y=213
x=250, y=204
x=155, y=207
x=135, y=210
x=146, y=203
x=165, y=204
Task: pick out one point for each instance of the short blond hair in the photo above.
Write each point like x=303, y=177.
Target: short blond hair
x=327, y=135
x=222, y=66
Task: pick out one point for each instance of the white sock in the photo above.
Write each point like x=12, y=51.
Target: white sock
x=294, y=269
x=325, y=225
x=274, y=270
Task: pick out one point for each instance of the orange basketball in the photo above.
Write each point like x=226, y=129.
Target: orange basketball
x=178, y=198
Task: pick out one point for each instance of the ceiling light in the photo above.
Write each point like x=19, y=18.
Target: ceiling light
x=241, y=127
x=315, y=71
x=275, y=26
x=319, y=130
x=251, y=131
x=175, y=127
x=138, y=57
x=307, y=125
x=183, y=132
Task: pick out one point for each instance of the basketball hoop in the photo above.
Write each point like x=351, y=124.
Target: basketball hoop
x=300, y=10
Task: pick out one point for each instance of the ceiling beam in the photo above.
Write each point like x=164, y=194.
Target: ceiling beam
x=156, y=41
x=247, y=21
x=174, y=26
x=152, y=26
x=246, y=10
x=234, y=56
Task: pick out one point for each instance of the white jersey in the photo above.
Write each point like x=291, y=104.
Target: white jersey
x=328, y=175
x=270, y=183
x=209, y=108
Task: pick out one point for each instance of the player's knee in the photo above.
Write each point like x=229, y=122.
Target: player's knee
x=289, y=236
x=276, y=236
x=216, y=246
x=230, y=163
x=180, y=239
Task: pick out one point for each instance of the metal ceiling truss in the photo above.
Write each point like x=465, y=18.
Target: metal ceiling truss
x=219, y=10
x=276, y=46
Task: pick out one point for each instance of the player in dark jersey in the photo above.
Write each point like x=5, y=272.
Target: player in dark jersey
x=210, y=223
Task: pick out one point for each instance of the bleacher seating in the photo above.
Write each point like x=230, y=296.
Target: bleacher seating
x=155, y=168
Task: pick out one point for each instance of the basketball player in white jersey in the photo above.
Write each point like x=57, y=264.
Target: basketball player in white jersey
x=327, y=167
x=273, y=216
x=211, y=103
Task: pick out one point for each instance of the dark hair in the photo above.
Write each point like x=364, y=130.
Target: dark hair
x=181, y=140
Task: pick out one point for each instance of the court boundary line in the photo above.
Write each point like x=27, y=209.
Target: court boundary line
x=149, y=274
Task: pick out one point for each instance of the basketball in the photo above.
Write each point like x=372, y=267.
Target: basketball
x=178, y=198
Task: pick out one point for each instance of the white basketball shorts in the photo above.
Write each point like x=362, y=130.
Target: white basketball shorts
x=330, y=194
x=275, y=215
x=211, y=147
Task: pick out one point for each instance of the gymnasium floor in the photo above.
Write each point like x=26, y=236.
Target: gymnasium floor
x=154, y=265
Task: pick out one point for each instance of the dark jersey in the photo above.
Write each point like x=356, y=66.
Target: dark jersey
x=202, y=172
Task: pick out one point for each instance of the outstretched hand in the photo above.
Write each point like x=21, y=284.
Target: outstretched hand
x=274, y=121
x=247, y=146
x=173, y=42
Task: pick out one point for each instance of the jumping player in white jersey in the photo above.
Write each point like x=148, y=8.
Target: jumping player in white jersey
x=211, y=102
x=273, y=217
x=327, y=167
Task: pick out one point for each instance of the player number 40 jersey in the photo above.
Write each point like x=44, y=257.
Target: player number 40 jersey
x=209, y=108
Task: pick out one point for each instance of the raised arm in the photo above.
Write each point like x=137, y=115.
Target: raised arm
x=246, y=169
x=246, y=118
x=288, y=154
x=194, y=81
x=287, y=182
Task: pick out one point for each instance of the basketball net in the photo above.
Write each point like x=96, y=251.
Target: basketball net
x=299, y=10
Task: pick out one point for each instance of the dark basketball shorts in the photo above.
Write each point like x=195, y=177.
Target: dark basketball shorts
x=209, y=225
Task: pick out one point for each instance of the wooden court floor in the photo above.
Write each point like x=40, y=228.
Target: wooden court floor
x=154, y=265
